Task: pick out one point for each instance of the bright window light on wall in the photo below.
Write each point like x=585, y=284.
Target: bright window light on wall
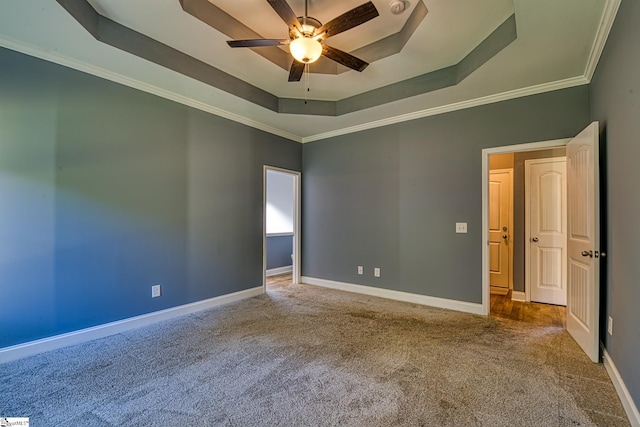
x=278, y=221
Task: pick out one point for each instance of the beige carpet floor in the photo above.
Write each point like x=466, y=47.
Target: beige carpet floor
x=306, y=356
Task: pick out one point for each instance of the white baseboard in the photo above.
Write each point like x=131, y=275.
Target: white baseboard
x=279, y=270
x=19, y=351
x=467, y=307
x=518, y=296
x=627, y=401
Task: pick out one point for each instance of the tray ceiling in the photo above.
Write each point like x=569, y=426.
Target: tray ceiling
x=557, y=45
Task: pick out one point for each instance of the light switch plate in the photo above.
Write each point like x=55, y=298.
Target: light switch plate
x=461, y=227
x=156, y=291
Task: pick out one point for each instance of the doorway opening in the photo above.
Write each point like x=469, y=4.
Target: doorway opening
x=281, y=226
x=583, y=252
x=505, y=211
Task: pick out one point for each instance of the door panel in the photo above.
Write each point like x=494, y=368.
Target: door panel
x=500, y=206
x=583, y=242
x=547, y=230
x=579, y=277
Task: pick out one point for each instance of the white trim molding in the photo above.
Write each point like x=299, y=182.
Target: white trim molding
x=608, y=17
x=467, y=307
x=279, y=270
x=606, y=23
x=448, y=108
x=486, y=152
x=31, y=348
x=625, y=397
x=280, y=234
x=518, y=296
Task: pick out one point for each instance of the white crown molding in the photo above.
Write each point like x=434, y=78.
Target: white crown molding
x=75, y=64
x=490, y=99
x=19, y=351
x=623, y=392
x=606, y=23
x=466, y=307
x=608, y=17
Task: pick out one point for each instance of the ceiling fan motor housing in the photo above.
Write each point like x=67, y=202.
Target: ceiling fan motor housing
x=308, y=28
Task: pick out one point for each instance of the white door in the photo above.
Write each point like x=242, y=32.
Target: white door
x=583, y=245
x=547, y=237
x=500, y=183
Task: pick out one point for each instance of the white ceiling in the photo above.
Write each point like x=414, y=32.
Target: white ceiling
x=558, y=44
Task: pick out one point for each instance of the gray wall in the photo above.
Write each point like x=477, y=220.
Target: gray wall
x=390, y=197
x=615, y=102
x=106, y=191
x=279, y=251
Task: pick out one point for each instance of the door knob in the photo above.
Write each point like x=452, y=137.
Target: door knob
x=587, y=253
x=535, y=239
x=504, y=236
x=504, y=228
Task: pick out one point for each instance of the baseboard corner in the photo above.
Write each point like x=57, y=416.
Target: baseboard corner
x=518, y=296
x=623, y=393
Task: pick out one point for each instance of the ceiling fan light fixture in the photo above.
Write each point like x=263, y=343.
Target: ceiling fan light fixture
x=305, y=49
x=307, y=36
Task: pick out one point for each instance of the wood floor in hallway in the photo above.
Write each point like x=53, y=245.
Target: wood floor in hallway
x=531, y=312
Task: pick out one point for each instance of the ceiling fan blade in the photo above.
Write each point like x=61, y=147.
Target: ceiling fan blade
x=257, y=42
x=295, y=73
x=348, y=20
x=344, y=58
x=285, y=12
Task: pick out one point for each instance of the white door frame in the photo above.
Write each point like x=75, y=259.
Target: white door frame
x=486, y=152
x=296, y=222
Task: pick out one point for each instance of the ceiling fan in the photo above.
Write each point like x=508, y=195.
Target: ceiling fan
x=306, y=35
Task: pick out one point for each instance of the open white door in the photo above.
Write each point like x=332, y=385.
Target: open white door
x=583, y=240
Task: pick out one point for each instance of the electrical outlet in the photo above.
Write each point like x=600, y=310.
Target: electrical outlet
x=461, y=227
x=156, y=291
x=610, y=326
x=360, y=269
x=376, y=272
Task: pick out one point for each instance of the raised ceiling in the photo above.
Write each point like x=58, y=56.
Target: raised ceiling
x=557, y=45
